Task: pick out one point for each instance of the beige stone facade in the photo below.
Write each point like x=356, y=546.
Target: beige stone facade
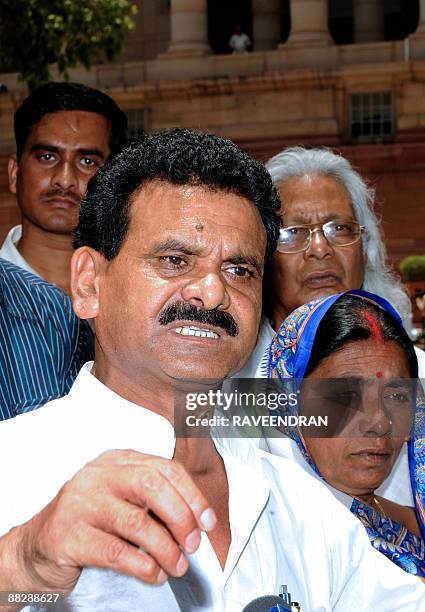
x=298, y=91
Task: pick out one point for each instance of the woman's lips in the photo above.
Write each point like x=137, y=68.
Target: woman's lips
x=327, y=278
x=373, y=456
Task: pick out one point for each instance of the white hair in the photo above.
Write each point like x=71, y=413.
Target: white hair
x=378, y=278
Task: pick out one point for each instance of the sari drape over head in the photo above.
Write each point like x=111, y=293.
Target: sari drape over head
x=287, y=357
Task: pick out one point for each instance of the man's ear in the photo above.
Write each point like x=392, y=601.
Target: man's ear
x=86, y=264
x=12, y=172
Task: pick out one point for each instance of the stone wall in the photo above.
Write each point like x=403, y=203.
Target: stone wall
x=292, y=93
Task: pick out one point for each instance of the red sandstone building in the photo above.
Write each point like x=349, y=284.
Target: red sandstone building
x=349, y=74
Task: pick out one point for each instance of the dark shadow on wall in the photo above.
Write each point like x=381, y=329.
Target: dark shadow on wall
x=401, y=23
x=286, y=20
x=340, y=21
x=400, y=19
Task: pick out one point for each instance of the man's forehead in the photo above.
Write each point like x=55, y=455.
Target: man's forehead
x=192, y=204
x=196, y=213
x=73, y=127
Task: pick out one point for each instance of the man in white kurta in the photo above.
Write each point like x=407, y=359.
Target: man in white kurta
x=171, y=268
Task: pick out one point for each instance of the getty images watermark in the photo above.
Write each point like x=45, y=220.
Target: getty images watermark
x=319, y=408
x=226, y=402
x=242, y=407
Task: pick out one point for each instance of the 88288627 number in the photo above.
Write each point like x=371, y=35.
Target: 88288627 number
x=27, y=597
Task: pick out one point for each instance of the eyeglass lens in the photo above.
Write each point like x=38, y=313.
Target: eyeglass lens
x=339, y=233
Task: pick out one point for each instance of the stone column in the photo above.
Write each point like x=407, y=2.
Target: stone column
x=368, y=20
x=189, y=28
x=309, y=23
x=266, y=24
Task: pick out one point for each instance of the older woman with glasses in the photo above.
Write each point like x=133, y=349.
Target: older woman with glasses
x=348, y=356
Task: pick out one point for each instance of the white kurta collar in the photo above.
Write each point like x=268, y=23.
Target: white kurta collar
x=147, y=429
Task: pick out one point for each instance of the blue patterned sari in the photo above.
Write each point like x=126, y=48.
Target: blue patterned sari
x=288, y=356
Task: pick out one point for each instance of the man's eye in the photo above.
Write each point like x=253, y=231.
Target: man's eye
x=173, y=261
x=46, y=156
x=86, y=161
x=290, y=232
x=240, y=271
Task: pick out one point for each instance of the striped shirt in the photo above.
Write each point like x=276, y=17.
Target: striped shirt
x=42, y=343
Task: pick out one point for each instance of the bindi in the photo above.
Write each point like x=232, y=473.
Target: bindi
x=378, y=374
x=199, y=227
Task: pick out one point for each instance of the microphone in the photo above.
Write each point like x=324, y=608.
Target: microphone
x=267, y=603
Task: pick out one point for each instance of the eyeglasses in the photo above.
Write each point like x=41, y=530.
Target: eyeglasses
x=297, y=238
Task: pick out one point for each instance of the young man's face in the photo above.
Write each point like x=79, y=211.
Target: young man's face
x=195, y=248
x=62, y=152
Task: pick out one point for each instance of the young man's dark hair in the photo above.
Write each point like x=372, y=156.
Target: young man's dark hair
x=57, y=97
x=181, y=157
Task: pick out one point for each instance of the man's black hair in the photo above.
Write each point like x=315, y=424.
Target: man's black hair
x=56, y=97
x=346, y=321
x=179, y=157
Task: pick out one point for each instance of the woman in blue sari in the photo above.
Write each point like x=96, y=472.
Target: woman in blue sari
x=357, y=339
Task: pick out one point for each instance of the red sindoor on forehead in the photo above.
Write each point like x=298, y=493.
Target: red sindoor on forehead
x=374, y=327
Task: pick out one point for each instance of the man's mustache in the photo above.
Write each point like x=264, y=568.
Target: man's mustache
x=181, y=311
x=62, y=193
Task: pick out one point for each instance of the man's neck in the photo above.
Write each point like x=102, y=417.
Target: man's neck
x=197, y=454
x=204, y=464
x=149, y=387
x=137, y=387
x=48, y=254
